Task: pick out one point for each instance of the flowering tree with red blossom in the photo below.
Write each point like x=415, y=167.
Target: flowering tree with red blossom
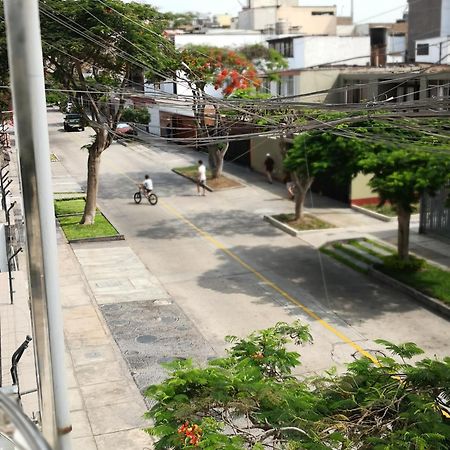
x=226, y=70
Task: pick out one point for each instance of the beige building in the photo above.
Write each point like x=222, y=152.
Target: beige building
x=285, y=16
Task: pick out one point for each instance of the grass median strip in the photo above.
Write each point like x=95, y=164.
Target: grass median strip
x=223, y=182
x=69, y=213
x=307, y=223
x=430, y=280
x=426, y=278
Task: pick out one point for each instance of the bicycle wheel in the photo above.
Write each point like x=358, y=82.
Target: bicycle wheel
x=137, y=197
x=153, y=199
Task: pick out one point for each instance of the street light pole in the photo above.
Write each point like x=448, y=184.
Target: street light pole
x=28, y=91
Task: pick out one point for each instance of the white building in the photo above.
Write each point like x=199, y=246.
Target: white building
x=311, y=51
x=221, y=38
x=433, y=50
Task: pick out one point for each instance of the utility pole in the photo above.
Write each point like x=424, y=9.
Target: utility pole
x=28, y=92
x=352, y=10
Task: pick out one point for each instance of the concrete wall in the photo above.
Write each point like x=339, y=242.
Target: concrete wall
x=445, y=18
x=319, y=50
x=396, y=44
x=317, y=80
x=230, y=40
x=259, y=147
x=300, y=17
x=308, y=23
x=439, y=48
x=360, y=191
x=424, y=21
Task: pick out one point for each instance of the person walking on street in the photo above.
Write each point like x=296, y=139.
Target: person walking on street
x=269, y=164
x=201, y=177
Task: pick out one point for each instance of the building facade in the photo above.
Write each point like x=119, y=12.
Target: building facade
x=285, y=16
x=428, y=27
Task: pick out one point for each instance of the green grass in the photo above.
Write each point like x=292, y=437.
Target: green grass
x=69, y=213
x=387, y=209
x=430, y=280
x=73, y=230
x=308, y=223
x=69, y=206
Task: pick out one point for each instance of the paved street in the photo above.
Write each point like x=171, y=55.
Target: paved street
x=225, y=271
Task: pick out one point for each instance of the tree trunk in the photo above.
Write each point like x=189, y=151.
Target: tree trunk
x=404, y=218
x=216, y=157
x=102, y=141
x=300, y=197
x=302, y=186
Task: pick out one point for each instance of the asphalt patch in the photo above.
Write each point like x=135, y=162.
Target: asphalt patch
x=150, y=333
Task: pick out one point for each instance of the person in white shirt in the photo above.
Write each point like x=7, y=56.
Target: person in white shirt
x=148, y=184
x=201, y=177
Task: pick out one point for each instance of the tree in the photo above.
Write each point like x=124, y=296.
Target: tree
x=319, y=152
x=401, y=174
x=266, y=60
x=97, y=50
x=227, y=71
x=250, y=400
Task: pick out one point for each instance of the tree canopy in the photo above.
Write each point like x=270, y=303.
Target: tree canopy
x=402, y=157
x=96, y=51
x=225, y=69
x=250, y=400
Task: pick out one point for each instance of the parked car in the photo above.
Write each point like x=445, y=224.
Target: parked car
x=73, y=122
x=125, y=129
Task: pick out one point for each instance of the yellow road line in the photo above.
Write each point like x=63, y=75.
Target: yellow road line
x=274, y=286
x=259, y=275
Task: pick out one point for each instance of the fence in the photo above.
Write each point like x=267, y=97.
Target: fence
x=435, y=214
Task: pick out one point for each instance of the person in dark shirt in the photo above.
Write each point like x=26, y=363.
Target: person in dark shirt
x=269, y=164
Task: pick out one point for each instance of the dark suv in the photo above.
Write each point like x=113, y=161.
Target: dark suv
x=73, y=122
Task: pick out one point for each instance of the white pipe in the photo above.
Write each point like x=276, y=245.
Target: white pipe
x=28, y=89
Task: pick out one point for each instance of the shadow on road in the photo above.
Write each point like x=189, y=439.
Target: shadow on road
x=352, y=296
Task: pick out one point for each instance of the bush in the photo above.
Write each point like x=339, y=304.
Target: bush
x=393, y=262
x=250, y=399
x=136, y=115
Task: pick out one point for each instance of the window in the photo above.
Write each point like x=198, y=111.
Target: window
x=322, y=13
x=290, y=86
x=423, y=49
x=283, y=46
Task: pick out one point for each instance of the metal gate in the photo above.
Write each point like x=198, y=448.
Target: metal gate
x=435, y=214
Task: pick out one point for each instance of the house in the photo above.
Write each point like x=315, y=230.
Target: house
x=286, y=16
x=428, y=30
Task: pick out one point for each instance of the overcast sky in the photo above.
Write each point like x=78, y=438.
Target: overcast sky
x=365, y=10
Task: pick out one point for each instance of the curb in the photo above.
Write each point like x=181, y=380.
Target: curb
x=289, y=230
x=280, y=225
x=191, y=179
x=430, y=302
x=379, y=216
x=117, y=237
x=373, y=214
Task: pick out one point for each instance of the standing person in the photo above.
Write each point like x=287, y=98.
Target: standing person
x=269, y=164
x=201, y=177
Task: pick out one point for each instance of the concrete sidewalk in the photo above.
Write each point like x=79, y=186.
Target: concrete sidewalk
x=106, y=405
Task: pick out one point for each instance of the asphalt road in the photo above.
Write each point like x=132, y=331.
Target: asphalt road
x=230, y=272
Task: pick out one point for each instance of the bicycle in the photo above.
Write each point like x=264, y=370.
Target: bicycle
x=150, y=196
